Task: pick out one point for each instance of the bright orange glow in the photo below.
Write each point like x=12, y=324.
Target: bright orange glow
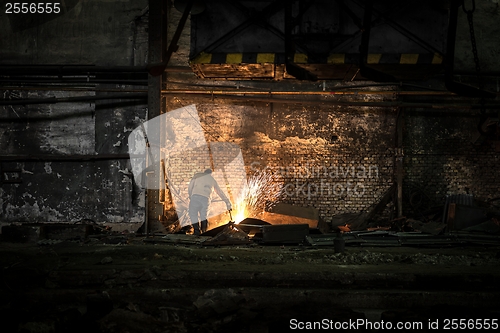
x=240, y=216
x=261, y=191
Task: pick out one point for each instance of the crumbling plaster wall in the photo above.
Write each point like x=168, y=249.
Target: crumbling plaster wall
x=101, y=33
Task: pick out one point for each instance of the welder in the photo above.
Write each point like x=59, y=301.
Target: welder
x=200, y=190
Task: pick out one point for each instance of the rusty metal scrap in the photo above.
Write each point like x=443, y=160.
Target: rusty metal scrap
x=230, y=235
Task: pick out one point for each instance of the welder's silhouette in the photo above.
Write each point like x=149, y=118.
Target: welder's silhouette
x=200, y=192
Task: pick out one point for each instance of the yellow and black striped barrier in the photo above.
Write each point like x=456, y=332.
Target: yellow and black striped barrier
x=332, y=59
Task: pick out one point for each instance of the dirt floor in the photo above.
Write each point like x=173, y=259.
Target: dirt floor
x=143, y=284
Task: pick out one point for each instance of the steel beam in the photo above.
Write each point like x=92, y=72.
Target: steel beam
x=267, y=12
x=399, y=161
x=157, y=55
x=366, y=71
x=396, y=26
x=458, y=87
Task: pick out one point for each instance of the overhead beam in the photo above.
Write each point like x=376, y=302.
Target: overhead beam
x=398, y=27
x=290, y=67
x=366, y=71
x=357, y=21
x=450, y=83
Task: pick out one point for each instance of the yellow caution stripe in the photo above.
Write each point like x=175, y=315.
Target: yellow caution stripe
x=333, y=58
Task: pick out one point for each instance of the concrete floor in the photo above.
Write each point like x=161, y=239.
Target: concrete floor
x=160, y=287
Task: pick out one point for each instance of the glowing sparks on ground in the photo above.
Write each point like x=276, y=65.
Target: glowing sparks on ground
x=261, y=192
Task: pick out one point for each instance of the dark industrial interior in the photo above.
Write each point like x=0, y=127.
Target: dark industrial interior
x=357, y=142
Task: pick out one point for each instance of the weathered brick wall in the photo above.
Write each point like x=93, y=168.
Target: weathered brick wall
x=341, y=160
x=181, y=172
x=334, y=159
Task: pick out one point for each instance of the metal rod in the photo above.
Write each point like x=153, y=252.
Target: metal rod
x=343, y=103
x=403, y=30
x=27, y=80
x=365, y=35
x=175, y=39
x=450, y=83
x=364, y=69
x=268, y=93
x=264, y=14
x=350, y=13
x=60, y=88
x=54, y=100
x=65, y=158
x=399, y=161
x=83, y=69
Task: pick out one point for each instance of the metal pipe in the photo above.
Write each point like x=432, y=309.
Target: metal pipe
x=82, y=89
x=73, y=80
x=65, y=158
x=76, y=69
x=54, y=100
x=399, y=161
x=343, y=103
x=324, y=93
x=263, y=89
x=173, y=47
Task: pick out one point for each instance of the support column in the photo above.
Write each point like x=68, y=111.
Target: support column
x=399, y=161
x=156, y=53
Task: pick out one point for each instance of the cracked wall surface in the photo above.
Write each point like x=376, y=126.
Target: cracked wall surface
x=58, y=145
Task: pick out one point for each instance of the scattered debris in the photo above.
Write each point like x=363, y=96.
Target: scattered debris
x=349, y=221
x=106, y=260
x=44, y=242
x=230, y=235
x=177, y=239
x=290, y=214
x=433, y=228
x=460, y=221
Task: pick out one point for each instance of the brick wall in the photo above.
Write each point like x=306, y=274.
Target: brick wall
x=334, y=159
x=340, y=159
x=441, y=158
